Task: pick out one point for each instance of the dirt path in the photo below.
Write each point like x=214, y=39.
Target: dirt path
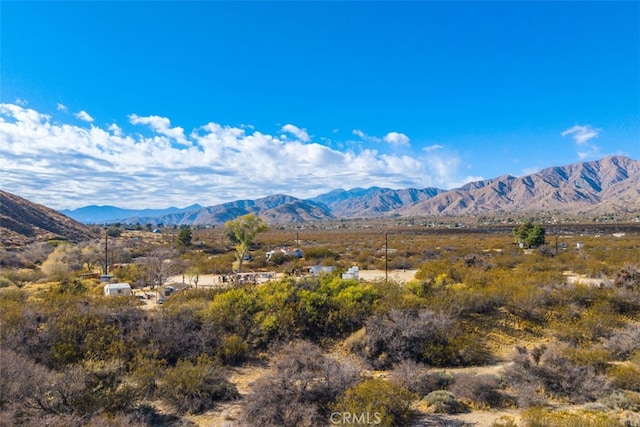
x=227, y=414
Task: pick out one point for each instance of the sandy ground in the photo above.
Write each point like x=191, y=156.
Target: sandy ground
x=213, y=280
x=400, y=276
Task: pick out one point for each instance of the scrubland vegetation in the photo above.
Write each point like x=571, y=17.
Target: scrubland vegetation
x=484, y=326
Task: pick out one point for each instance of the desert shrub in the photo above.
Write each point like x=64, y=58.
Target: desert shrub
x=14, y=370
x=623, y=342
x=195, y=387
x=233, y=311
x=628, y=277
x=319, y=253
x=422, y=336
x=233, y=349
x=579, y=326
x=22, y=277
x=378, y=399
x=438, y=273
x=298, y=389
x=280, y=258
x=623, y=400
x=504, y=421
x=541, y=417
x=144, y=372
x=535, y=373
x=625, y=376
x=444, y=402
x=316, y=308
x=177, y=332
x=418, y=379
x=481, y=391
x=81, y=390
x=596, y=357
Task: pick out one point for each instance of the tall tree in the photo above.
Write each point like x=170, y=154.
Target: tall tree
x=241, y=232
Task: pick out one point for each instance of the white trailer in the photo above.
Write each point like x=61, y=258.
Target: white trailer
x=117, y=289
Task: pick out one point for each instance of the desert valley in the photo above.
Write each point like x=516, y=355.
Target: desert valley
x=416, y=307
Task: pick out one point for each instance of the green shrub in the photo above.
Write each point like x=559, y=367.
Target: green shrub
x=377, y=399
x=233, y=349
x=541, y=417
x=444, y=402
x=504, y=421
x=195, y=387
x=625, y=376
x=5, y=282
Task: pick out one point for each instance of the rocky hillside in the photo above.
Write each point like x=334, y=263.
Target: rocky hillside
x=23, y=222
x=273, y=209
x=611, y=184
x=373, y=202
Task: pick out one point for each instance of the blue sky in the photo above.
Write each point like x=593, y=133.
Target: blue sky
x=152, y=104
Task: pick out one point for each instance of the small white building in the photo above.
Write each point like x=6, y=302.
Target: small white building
x=352, y=273
x=117, y=289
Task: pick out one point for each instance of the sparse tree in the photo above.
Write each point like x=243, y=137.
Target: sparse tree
x=530, y=235
x=158, y=266
x=241, y=233
x=193, y=275
x=184, y=238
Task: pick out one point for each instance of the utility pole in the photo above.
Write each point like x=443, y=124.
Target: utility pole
x=106, y=253
x=386, y=258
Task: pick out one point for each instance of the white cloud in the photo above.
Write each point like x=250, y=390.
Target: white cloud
x=365, y=137
x=61, y=107
x=393, y=138
x=433, y=147
x=216, y=163
x=301, y=134
x=358, y=132
x=396, y=138
x=445, y=171
x=161, y=125
x=115, y=129
x=588, y=151
x=84, y=116
x=581, y=134
x=21, y=102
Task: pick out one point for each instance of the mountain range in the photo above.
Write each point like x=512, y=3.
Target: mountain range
x=611, y=184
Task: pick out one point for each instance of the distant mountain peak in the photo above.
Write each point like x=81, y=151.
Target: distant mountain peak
x=609, y=184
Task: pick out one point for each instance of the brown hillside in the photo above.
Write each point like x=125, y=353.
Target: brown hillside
x=23, y=222
x=609, y=184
